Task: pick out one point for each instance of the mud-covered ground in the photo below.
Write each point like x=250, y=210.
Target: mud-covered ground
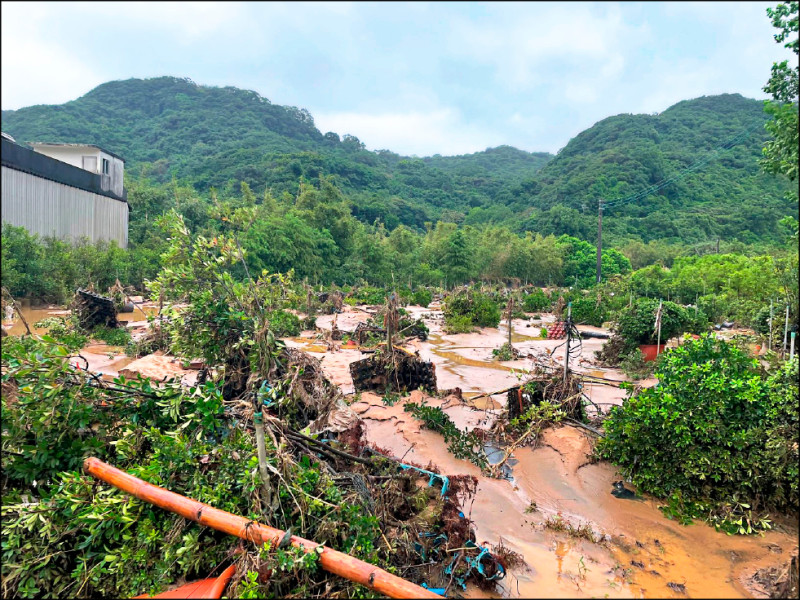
x=636, y=552
x=621, y=547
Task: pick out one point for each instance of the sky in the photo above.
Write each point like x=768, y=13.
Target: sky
x=418, y=78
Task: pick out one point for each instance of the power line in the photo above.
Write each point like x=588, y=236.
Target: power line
x=691, y=168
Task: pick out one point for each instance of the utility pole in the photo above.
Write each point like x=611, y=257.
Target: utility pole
x=569, y=330
x=599, y=237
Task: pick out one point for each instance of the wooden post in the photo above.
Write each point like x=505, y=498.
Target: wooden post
x=791, y=349
x=786, y=331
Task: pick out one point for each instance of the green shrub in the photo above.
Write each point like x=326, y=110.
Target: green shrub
x=485, y=312
x=636, y=324
x=284, y=324
x=368, y=295
x=64, y=331
x=458, y=324
x=113, y=336
x=421, y=297
x=634, y=365
x=537, y=301
x=479, y=308
x=586, y=311
x=716, y=437
x=505, y=352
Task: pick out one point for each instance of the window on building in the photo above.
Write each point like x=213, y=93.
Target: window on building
x=105, y=166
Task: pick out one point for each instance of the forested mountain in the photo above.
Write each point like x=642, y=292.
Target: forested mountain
x=205, y=136
x=728, y=198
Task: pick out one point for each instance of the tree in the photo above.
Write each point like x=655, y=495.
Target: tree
x=781, y=153
x=457, y=258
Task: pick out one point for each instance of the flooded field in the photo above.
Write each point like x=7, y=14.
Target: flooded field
x=619, y=547
x=554, y=506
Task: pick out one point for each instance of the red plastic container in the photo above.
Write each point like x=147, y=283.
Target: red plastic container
x=650, y=351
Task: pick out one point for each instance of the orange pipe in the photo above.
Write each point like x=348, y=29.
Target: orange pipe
x=205, y=588
x=331, y=560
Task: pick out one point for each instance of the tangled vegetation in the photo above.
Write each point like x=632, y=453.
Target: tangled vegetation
x=468, y=446
x=63, y=535
x=733, y=424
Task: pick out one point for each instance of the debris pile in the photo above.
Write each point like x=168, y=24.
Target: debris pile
x=398, y=371
x=94, y=310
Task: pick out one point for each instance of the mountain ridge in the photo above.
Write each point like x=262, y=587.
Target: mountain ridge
x=173, y=128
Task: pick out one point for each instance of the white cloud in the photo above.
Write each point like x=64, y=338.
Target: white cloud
x=34, y=69
x=441, y=131
x=529, y=44
x=189, y=21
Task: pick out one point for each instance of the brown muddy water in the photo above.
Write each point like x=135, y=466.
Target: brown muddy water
x=100, y=357
x=632, y=549
x=15, y=326
x=628, y=547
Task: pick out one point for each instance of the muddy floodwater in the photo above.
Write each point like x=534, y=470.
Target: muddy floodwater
x=628, y=548
x=635, y=551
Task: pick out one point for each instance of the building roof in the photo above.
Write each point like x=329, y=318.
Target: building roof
x=18, y=157
x=65, y=145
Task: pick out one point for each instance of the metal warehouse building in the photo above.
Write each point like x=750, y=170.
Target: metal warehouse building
x=67, y=191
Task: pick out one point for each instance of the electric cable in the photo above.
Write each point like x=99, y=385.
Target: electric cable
x=681, y=174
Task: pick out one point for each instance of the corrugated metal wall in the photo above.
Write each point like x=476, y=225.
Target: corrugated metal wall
x=54, y=209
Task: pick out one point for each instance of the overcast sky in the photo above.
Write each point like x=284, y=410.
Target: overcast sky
x=416, y=78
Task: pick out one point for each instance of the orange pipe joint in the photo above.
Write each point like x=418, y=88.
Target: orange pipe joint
x=331, y=560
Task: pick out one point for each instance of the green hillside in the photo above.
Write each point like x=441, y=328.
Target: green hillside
x=169, y=128
x=728, y=198
x=207, y=136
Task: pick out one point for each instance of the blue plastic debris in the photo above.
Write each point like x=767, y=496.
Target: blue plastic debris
x=439, y=591
x=477, y=564
x=266, y=394
x=433, y=477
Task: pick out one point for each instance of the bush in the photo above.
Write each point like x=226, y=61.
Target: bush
x=537, y=301
x=367, y=295
x=63, y=331
x=634, y=365
x=733, y=426
x=636, y=324
x=485, y=312
x=458, y=324
x=479, y=308
x=421, y=297
x=112, y=336
x=284, y=324
x=586, y=311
